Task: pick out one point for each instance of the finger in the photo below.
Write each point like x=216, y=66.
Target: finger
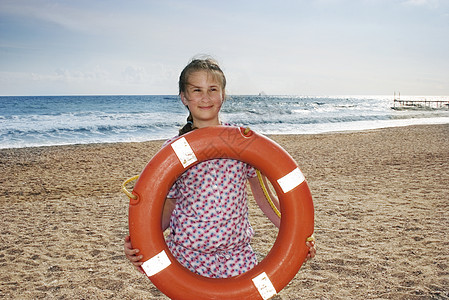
x=132, y=254
x=309, y=257
x=310, y=244
x=130, y=251
x=312, y=253
x=134, y=258
x=137, y=264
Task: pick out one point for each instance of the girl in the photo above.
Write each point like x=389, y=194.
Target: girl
x=206, y=209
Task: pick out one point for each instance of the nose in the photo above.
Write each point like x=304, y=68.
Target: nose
x=206, y=96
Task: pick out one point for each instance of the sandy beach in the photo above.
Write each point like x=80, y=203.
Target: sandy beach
x=381, y=218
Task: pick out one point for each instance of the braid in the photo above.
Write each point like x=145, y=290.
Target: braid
x=188, y=127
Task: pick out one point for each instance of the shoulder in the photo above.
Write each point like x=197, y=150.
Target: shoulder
x=170, y=140
x=178, y=136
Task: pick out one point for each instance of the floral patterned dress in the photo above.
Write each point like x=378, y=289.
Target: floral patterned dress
x=209, y=227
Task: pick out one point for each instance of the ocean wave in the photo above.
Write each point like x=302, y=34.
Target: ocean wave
x=37, y=121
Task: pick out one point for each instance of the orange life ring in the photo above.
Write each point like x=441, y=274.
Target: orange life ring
x=285, y=258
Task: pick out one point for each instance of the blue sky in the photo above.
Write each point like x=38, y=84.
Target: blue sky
x=292, y=47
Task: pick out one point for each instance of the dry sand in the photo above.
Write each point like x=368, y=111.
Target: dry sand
x=382, y=223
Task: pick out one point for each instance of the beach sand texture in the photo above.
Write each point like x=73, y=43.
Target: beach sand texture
x=381, y=218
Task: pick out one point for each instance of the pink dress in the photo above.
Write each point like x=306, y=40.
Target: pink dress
x=209, y=227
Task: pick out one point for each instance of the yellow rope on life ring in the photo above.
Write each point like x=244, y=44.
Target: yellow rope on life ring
x=124, y=190
x=267, y=196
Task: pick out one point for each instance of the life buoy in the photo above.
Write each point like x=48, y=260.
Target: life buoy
x=285, y=258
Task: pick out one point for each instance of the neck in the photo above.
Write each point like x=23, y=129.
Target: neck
x=202, y=124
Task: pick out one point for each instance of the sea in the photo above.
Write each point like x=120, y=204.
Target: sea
x=32, y=121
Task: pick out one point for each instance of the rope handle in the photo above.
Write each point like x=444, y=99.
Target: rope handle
x=124, y=190
x=310, y=239
x=267, y=195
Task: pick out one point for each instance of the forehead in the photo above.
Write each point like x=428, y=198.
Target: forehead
x=203, y=77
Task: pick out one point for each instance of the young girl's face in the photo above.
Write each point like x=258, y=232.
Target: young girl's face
x=203, y=96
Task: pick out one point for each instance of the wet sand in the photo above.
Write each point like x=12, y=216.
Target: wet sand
x=381, y=218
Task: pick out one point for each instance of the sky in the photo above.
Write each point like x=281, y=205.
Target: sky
x=291, y=47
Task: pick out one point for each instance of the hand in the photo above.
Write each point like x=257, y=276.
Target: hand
x=312, y=249
x=131, y=254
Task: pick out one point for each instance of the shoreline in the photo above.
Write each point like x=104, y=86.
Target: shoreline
x=444, y=121
x=381, y=222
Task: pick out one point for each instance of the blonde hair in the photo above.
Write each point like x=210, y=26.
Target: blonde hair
x=199, y=64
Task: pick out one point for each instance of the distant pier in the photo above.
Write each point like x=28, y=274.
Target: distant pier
x=399, y=103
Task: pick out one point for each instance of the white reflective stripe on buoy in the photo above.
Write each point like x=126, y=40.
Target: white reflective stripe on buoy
x=184, y=152
x=264, y=286
x=291, y=180
x=156, y=264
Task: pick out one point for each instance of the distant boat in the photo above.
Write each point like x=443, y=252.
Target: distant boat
x=262, y=93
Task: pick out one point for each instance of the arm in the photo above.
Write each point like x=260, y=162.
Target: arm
x=259, y=196
x=169, y=206
x=133, y=254
x=262, y=202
